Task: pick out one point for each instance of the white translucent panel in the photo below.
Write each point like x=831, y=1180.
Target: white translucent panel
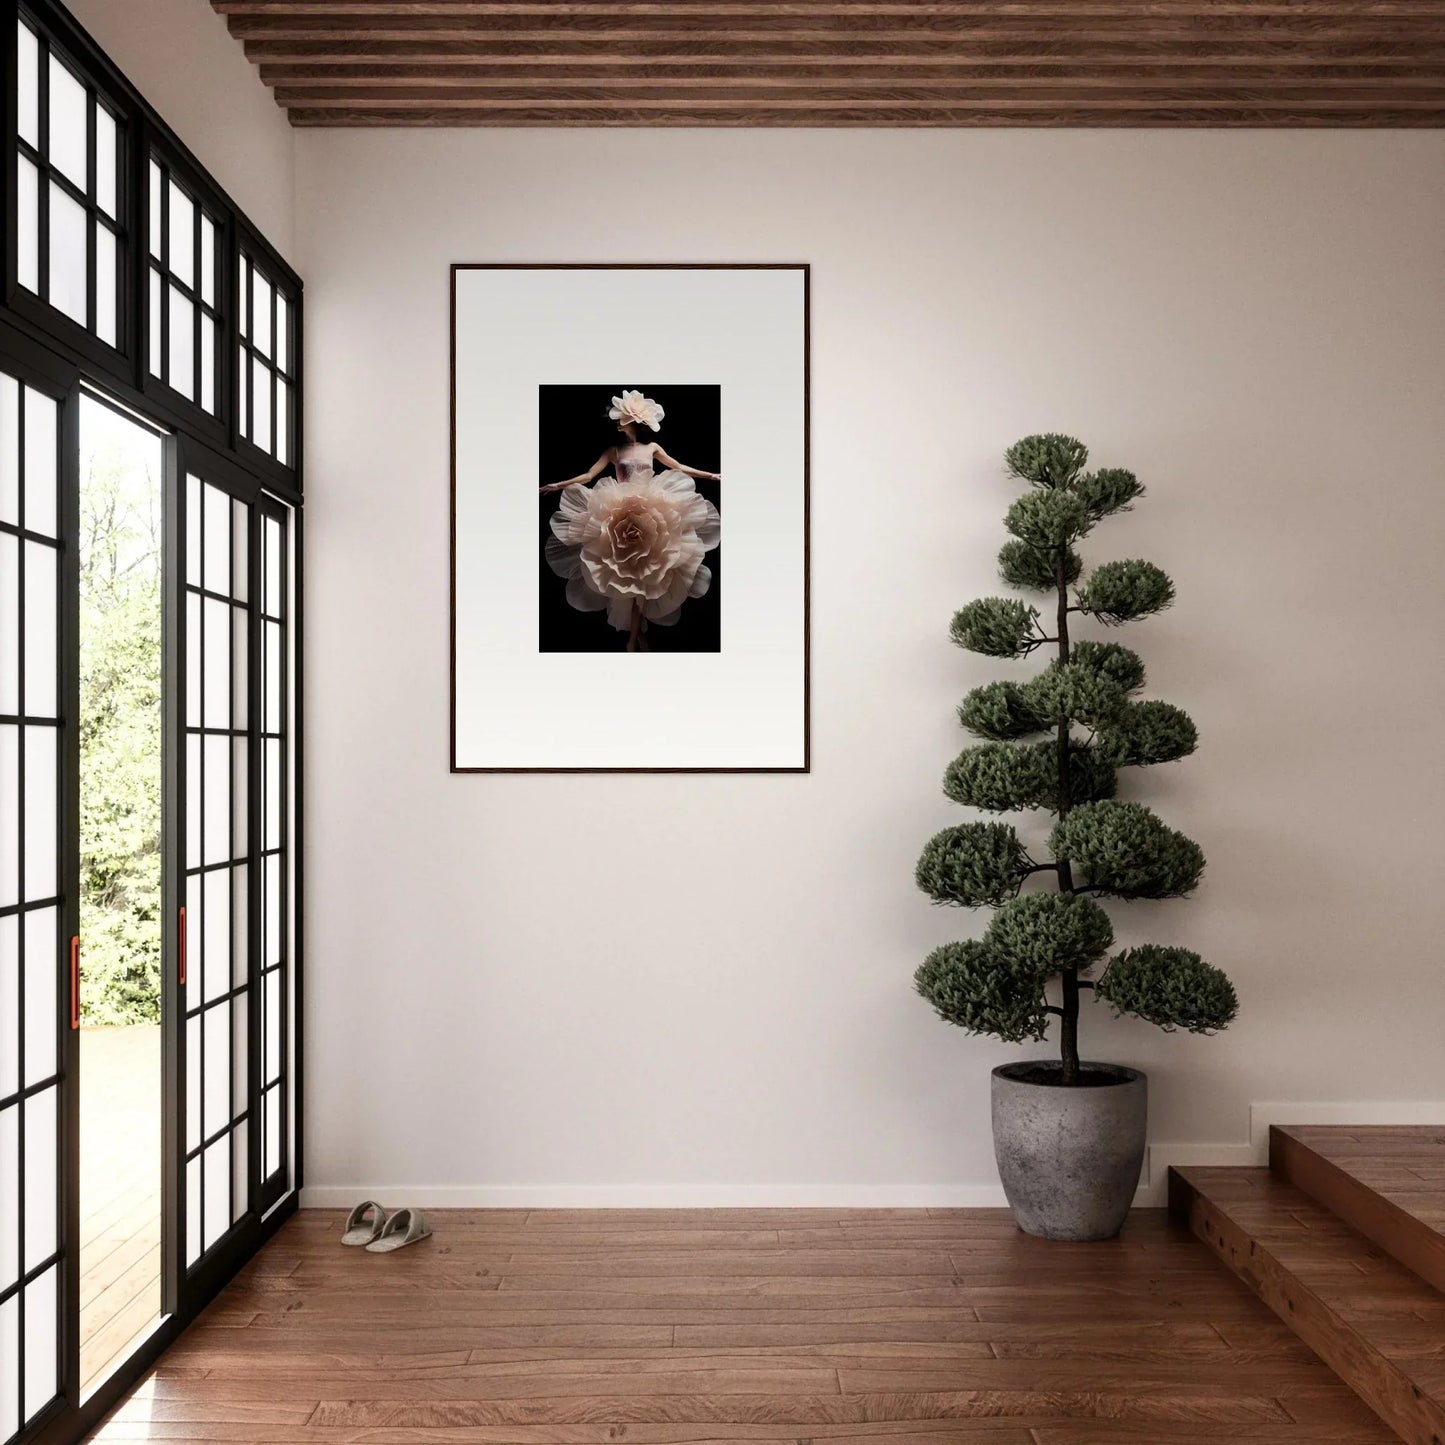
x=241, y=762
x=40, y=1300
x=271, y=1021
x=105, y=290
x=40, y=607
x=69, y=106
x=208, y=260
x=9, y=623
x=67, y=290
x=105, y=159
x=40, y=803
x=272, y=950
x=241, y=516
x=260, y=404
x=240, y=1159
x=283, y=332
x=283, y=423
x=27, y=220
x=261, y=314
x=40, y=1176
x=240, y=667
x=27, y=97
x=41, y=460
x=42, y=999
x=194, y=794
x=273, y=568
x=208, y=364
x=218, y=542
x=181, y=328
x=216, y=1085
x=240, y=925
x=271, y=1132
x=218, y=1189
x=194, y=1063
x=9, y=1361
x=194, y=671
x=9, y=449
x=182, y=259
x=274, y=661
x=216, y=684
x=157, y=190
x=271, y=812
x=154, y=357
x=193, y=1210
x=217, y=800
x=9, y=1012
x=217, y=932
x=195, y=916
x=243, y=313
x=243, y=407
x=193, y=530
x=9, y=1197
x=9, y=815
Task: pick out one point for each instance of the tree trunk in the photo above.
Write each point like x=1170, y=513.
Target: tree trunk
x=1069, y=1022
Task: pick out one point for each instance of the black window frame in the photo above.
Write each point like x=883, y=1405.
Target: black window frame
x=43, y=345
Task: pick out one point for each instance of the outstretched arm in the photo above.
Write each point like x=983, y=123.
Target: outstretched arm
x=590, y=475
x=667, y=461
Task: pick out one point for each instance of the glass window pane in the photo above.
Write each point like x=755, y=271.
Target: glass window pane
x=272, y=1023
x=218, y=541
x=193, y=530
x=272, y=721
x=156, y=327
x=40, y=1302
x=272, y=829
x=240, y=923
x=27, y=89
x=218, y=1190
x=208, y=260
x=9, y=628
x=40, y=1177
x=40, y=784
x=243, y=317
x=194, y=794
x=240, y=1161
x=9, y=811
x=182, y=360
x=105, y=159
x=157, y=190
x=9, y=450
x=9, y=1349
x=283, y=332
x=240, y=668
x=272, y=1132
x=216, y=1087
x=240, y=581
x=260, y=404
x=9, y=1044
x=283, y=422
x=243, y=392
x=105, y=298
x=193, y=1210
x=271, y=953
x=68, y=106
x=208, y=364
x=273, y=567
x=41, y=1000
x=27, y=219
x=9, y=1197
x=261, y=314
x=40, y=654
x=182, y=258
x=217, y=803
x=218, y=932
x=67, y=256
x=195, y=916
x=193, y=1082
x=193, y=660
x=217, y=681
x=41, y=460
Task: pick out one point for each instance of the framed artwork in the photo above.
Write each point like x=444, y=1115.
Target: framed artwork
x=629, y=518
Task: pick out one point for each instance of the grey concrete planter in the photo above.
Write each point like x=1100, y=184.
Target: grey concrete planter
x=1069, y=1158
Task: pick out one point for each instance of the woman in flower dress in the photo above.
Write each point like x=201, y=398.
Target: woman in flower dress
x=634, y=543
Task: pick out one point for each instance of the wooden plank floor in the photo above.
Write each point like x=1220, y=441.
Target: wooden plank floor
x=120, y=1201
x=683, y=1327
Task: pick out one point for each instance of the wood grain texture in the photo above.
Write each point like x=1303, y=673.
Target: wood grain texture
x=694, y=1326
x=849, y=62
x=1374, y=1322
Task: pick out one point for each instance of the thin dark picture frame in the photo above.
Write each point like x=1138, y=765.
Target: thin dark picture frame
x=805, y=269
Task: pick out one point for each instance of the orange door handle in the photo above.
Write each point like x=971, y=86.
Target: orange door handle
x=182, y=947
x=75, y=983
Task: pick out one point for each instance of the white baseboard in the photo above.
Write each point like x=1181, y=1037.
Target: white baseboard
x=1152, y=1187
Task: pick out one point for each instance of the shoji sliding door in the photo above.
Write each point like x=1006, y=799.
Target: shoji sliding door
x=37, y=902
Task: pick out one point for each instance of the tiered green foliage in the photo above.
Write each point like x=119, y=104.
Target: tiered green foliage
x=1031, y=758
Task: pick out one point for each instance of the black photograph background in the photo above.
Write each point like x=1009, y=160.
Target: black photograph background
x=573, y=430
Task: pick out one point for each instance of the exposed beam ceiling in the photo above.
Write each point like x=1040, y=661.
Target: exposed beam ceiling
x=849, y=62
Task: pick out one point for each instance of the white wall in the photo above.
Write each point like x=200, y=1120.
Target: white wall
x=181, y=57
x=594, y=988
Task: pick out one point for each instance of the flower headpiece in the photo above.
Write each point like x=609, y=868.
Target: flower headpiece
x=634, y=407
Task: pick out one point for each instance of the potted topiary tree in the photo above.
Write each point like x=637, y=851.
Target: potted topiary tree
x=1068, y=1135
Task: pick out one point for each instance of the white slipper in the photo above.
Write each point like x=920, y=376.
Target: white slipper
x=404, y=1227
x=361, y=1230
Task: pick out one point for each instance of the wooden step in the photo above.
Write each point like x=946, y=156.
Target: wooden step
x=1377, y=1324
x=1387, y=1182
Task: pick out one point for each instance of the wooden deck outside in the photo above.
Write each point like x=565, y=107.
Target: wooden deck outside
x=893, y=1327
x=120, y=1192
